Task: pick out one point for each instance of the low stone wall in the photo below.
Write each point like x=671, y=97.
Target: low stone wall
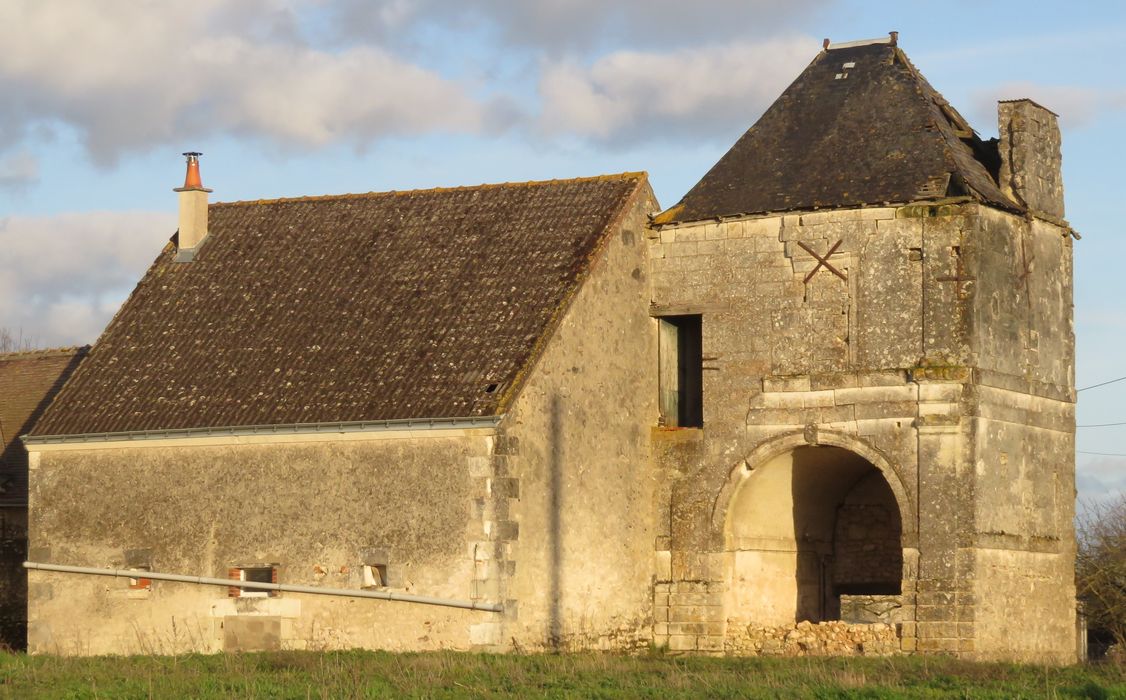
x=866, y=609
x=810, y=639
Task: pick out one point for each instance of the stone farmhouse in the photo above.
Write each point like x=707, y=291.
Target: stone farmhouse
x=835, y=382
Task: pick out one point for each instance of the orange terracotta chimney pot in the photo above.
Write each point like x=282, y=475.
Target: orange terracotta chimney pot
x=191, y=177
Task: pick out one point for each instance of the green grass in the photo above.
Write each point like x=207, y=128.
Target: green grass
x=364, y=674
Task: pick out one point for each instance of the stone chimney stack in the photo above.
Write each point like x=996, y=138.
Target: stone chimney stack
x=1030, y=156
x=193, y=206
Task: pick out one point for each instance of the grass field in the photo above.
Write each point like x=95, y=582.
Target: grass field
x=363, y=674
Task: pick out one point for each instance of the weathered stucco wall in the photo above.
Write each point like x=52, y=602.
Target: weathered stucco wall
x=583, y=563
x=314, y=509
x=925, y=343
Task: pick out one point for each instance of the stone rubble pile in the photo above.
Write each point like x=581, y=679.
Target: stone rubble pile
x=815, y=639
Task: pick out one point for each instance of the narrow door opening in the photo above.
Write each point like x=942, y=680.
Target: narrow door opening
x=681, y=371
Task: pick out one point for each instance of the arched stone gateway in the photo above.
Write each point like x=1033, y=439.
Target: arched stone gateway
x=807, y=528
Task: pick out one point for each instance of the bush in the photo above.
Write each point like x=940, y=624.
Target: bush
x=1100, y=568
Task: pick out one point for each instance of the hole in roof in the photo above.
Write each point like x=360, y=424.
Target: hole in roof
x=491, y=388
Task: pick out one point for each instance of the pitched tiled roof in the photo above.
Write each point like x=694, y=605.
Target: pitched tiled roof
x=346, y=308
x=28, y=382
x=859, y=126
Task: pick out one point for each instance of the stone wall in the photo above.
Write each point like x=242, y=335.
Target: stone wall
x=583, y=565
x=314, y=509
x=867, y=548
x=809, y=639
x=932, y=336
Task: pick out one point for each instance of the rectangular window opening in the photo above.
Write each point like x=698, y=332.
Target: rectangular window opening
x=140, y=583
x=255, y=574
x=375, y=576
x=681, y=355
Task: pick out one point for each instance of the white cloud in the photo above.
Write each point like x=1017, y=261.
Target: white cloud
x=631, y=95
x=128, y=75
x=576, y=24
x=62, y=277
x=1100, y=478
x=18, y=170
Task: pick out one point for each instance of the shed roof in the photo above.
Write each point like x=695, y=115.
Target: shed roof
x=860, y=126
x=28, y=383
x=379, y=306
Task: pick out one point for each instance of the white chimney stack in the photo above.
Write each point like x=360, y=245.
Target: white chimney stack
x=193, y=209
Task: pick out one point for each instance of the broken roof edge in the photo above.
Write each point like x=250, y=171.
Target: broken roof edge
x=551, y=328
x=639, y=175
x=265, y=430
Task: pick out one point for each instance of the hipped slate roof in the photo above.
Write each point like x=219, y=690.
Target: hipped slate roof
x=382, y=306
x=859, y=126
x=28, y=382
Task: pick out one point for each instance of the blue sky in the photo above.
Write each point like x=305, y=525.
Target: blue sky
x=294, y=97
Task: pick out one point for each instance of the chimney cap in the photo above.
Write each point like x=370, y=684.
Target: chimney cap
x=191, y=177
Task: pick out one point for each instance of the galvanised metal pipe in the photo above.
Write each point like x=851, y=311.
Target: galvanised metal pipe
x=287, y=587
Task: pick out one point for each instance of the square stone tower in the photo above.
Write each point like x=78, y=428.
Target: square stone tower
x=867, y=375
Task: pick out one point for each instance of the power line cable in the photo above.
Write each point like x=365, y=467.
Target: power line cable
x=1102, y=454
x=1096, y=386
x=1100, y=425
